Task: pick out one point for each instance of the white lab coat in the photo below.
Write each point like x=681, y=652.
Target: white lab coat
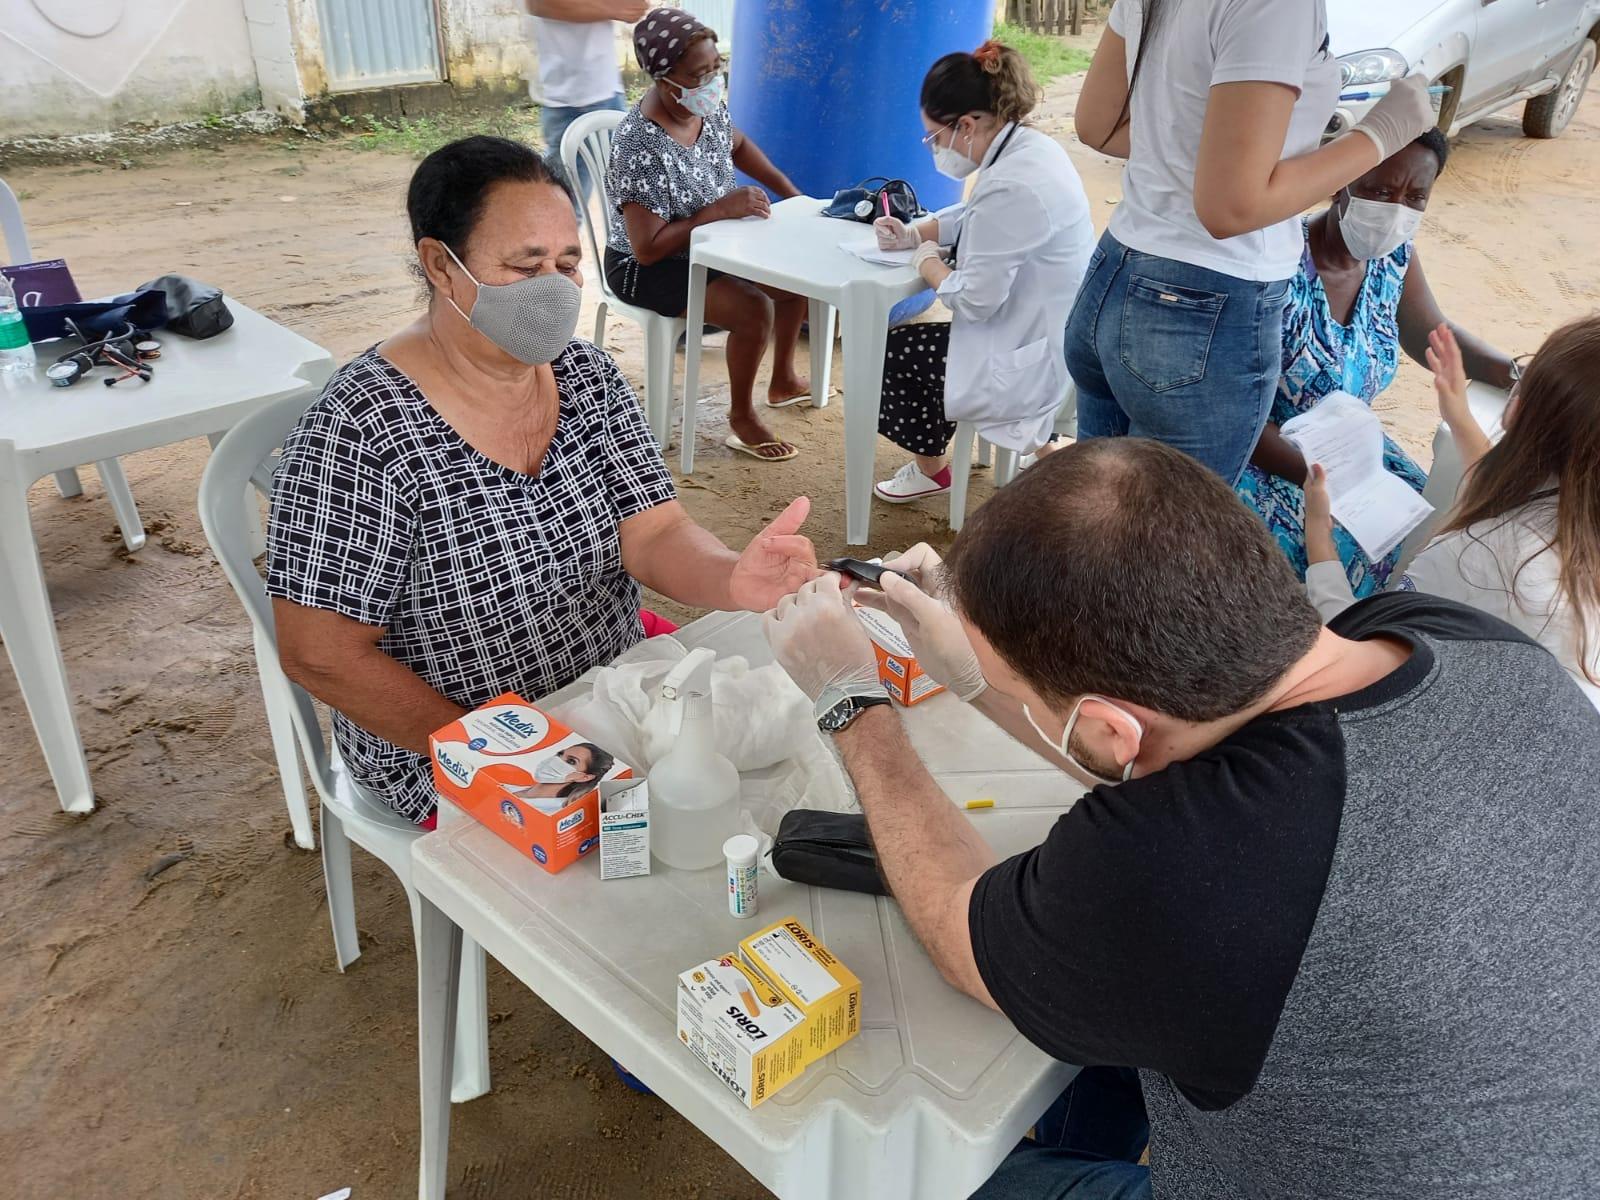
x=1025, y=240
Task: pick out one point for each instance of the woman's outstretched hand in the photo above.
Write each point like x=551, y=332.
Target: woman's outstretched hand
x=778, y=561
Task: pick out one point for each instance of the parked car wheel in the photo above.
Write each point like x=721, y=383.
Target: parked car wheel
x=1548, y=115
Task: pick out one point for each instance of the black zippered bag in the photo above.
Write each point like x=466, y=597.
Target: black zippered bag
x=827, y=849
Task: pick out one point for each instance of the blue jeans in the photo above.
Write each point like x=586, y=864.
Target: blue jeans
x=1190, y=357
x=1086, y=1147
x=553, y=124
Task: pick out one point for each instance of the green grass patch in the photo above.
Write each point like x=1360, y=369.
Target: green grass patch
x=417, y=137
x=1049, y=57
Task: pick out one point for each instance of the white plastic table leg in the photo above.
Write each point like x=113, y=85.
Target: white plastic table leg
x=280, y=724
x=68, y=483
x=960, y=473
x=661, y=350
x=866, y=336
x=438, y=977
x=696, y=318
x=29, y=630
x=258, y=539
x=469, y=1068
x=121, y=497
x=820, y=318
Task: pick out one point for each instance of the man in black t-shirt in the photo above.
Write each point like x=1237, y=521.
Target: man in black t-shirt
x=1333, y=893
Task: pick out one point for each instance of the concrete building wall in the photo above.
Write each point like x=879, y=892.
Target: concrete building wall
x=78, y=66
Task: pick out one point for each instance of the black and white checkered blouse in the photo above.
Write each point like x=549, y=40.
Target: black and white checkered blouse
x=650, y=167
x=487, y=580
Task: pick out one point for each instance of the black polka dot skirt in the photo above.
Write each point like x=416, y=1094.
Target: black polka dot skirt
x=912, y=413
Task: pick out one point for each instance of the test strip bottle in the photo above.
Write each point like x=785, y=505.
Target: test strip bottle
x=741, y=851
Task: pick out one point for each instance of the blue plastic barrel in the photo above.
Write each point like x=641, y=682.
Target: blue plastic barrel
x=828, y=88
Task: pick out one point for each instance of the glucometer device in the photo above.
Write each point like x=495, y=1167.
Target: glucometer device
x=866, y=572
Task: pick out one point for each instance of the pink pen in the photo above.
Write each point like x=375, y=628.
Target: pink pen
x=884, y=196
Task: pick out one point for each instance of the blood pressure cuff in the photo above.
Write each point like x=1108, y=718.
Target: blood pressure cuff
x=826, y=849
x=145, y=309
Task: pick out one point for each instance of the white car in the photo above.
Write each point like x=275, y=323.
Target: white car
x=1490, y=53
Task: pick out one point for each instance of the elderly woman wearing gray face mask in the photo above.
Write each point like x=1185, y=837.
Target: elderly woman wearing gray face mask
x=471, y=506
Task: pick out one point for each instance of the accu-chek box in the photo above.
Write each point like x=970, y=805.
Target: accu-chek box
x=528, y=777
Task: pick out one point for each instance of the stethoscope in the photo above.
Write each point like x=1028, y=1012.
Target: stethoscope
x=130, y=349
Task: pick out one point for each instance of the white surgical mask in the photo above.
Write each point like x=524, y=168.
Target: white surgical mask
x=950, y=162
x=554, y=769
x=1374, y=229
x=704, y=100
x=1064, y=749
x=532, y=319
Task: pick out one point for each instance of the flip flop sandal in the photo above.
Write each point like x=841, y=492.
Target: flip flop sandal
x=792, y=400
x=734, y=442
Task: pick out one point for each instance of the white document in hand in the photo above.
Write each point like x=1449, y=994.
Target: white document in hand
x=1344, y=435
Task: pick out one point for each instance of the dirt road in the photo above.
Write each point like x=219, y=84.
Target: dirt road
x=171, y=1022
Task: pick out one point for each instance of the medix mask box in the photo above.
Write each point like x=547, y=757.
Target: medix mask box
x=738, y=1025
x=807, y=975
x=527, y=777
x=898, y=670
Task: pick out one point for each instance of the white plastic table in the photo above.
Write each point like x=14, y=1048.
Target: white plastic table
x=199, y=388
x=1444, y=476
x=921, y=1105
x=797, y=249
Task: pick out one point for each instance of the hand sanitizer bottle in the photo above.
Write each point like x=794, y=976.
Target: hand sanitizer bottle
x=694, y=791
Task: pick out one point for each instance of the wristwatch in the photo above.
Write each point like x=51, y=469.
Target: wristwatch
x=839, y=718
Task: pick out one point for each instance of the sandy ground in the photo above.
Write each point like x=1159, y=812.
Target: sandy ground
x=171, y=1021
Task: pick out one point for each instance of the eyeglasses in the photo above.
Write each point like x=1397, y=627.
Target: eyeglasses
x=1519, y=368
x=927, y=139
x=717, y=68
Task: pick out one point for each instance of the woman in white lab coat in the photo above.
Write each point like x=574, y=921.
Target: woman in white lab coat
x=1017, y=250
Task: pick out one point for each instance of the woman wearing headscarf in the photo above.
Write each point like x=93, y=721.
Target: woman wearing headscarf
x=672, y=163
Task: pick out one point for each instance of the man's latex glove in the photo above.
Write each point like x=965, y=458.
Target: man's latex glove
x=894, y=234
x=1400, y=117
x=936, y=634
x=818, y=639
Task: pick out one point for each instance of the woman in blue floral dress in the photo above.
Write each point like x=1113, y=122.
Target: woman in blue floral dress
x=1359, y=299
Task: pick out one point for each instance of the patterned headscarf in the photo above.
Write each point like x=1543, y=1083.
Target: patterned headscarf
x=663, y=36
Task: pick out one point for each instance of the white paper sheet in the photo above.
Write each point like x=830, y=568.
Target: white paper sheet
x=868, y=252
x=1344, y=435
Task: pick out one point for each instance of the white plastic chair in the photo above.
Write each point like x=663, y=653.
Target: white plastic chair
x=68, y=484
x=1005, y=461
x=588, y=139
x=244, y=457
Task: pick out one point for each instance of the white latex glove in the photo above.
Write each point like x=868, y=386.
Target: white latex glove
x=923, y=252
x=1404, y=114
x=819, y=640
x=936, y=634
x=895, y=234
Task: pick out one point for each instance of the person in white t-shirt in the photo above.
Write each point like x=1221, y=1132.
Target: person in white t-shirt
x=1218, y=107
x=1523, y=541
x=578, y=71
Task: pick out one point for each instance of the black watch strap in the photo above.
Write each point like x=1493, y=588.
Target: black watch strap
x=843, y=714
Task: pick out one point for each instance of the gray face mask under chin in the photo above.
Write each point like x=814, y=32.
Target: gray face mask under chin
x=532, y=319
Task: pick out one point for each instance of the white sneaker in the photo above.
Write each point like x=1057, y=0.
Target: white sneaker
x=909, y=483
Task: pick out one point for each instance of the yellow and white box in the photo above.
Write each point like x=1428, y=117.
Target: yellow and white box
x=808, y=976
x=740, y=1027
x=624, y=828
x=898, y=670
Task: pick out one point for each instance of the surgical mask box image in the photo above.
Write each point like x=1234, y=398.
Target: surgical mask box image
x=734, y=1022
x=624, y=828
x=808, y=976
x=898, y=670
x=527, y=777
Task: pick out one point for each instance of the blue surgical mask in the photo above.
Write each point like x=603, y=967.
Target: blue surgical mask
x=1064, y=747
x=705, y=100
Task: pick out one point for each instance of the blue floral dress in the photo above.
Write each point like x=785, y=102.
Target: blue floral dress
x=1322, y=356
